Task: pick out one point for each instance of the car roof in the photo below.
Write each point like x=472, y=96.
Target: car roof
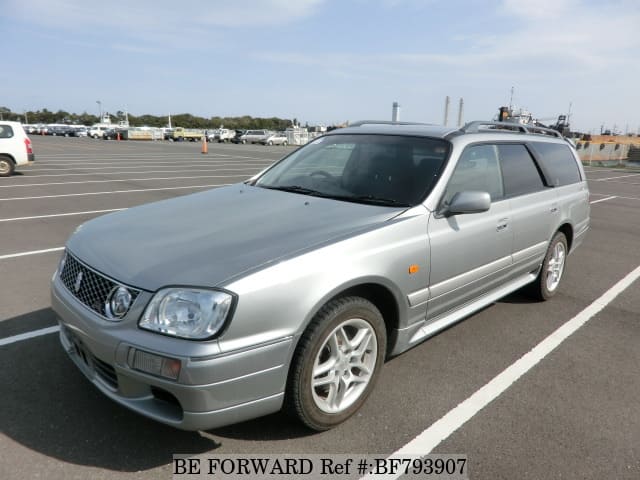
x=477, y=130
x=396, y=128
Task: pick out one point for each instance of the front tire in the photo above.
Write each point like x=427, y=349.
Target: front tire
x=546, y=285
x=337, y=363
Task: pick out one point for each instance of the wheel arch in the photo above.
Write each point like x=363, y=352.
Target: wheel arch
x=386, y=298
x=10, y=157
x=567, y=229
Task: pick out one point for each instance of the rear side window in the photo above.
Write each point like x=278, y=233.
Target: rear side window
x=519, y=172
x=558, y=163
x=6, y=131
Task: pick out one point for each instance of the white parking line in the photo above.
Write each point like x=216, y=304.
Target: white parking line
x=139, y=161
x=601, y=169
x=159, y=153
x=33, y=252
x=120, y=180
x=430, y=438
x=617, y=196
x=603, y=200
x=90, y=212
x=614, y=178
x=114, y=192
x=210, y=169
x=28, y=335
x=123, y=167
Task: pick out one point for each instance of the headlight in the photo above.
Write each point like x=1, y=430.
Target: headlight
x=189, y=313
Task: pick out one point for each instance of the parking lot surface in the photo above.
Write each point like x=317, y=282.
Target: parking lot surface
x=571, y=412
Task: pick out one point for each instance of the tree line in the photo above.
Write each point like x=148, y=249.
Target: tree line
x=185, y=120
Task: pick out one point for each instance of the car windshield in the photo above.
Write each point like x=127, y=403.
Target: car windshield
x=388, y=170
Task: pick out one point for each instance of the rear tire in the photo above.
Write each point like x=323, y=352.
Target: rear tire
x=336, y=363
x=6, y=166
x=546, y=284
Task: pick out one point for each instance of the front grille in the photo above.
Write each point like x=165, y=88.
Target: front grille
x=89, y=286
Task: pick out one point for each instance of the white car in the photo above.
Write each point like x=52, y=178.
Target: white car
x=15, y=148
x=97, y=131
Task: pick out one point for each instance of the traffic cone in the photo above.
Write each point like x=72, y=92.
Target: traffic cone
x=205, y=147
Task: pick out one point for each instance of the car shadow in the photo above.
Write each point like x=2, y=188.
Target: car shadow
x=277, y=426
x=518, y=298
x=49, y=407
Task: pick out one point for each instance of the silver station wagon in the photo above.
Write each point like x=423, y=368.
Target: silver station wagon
x=290, y=290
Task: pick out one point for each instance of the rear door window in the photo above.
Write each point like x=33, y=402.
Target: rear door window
x=558, y=163
x=519, y=171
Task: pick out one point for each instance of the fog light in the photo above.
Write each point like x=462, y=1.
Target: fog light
x=156, y=365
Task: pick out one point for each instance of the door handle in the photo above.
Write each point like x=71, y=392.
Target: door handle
x=554, y=209
x=502, y=224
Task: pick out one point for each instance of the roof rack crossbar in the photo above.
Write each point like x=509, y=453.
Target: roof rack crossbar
x=475, y=127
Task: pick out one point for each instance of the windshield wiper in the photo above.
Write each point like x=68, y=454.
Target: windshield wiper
x=380, y=200
x=372, y=199
x=297, y=189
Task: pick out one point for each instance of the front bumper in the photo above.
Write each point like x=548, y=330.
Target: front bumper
x=211, y=391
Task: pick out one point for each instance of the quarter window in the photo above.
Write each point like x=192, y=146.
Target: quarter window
x=558, y=163
x=520, y=173
x=6, y=131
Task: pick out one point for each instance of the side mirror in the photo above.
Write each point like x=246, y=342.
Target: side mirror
x=468, y=202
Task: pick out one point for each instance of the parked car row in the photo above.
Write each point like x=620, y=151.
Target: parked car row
x=177, y=134
x=57, y=130
x=264, y=137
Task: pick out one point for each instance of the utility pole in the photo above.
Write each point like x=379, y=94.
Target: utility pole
x=100, y=107
x=395, y=112
x=446, y=110
x=460, y=110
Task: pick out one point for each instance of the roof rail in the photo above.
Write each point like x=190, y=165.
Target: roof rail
x=476, y=127
x=359, y=123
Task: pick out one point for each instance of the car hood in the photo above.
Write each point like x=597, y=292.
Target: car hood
x=206, y=238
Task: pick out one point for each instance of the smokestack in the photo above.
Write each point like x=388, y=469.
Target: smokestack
x=446, y=110
x=395, y=113
x=460, y=112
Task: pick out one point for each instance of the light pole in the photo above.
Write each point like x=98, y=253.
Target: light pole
x=100, y=106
